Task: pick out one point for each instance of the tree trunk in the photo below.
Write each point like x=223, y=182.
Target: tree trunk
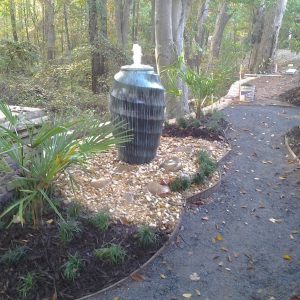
x=66, y=22
x=50, y=31
x=201, y=31
x=179, y=12
x=222, y=19
x=153, y=22
x=169, y=27
x=268, y=43
x=97, y=59
x=12, y=10
x=122, y=10
x=257, y=31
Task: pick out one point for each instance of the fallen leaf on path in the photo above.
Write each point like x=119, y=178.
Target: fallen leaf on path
x=256, y=178
x=194, y=277
x=287, y=257
x=258, y=190
x=162, y=276
x=197, y=292
x=292, y=237
x=221, y=264
x=295, y=231
x=137, y=277
x=224, y=249
x=261, y=206
x=219, y=237
x=116, y=298
x=275, y=220
x=282, y=177
x=228, y=269
x=187, y=295
x=205, y=218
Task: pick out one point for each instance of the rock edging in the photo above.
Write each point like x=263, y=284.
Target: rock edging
x=291, y=152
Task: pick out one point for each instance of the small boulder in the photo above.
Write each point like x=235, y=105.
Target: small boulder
x=100, y=183
x=157, y=189
x=171, y=164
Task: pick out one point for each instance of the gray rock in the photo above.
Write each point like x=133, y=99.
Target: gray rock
x=100, y=183
x=157, y=189
x=172, y=164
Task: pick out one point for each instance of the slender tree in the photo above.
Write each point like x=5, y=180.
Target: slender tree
x=122, y=11
x=12, y=10
x=222, y=19
x=96, y=36
x=49, y=28
x=169, y=27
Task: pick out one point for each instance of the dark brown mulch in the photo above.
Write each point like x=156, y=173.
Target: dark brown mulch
x=292, y=96
x=294, y=140
x=47, y=254
x=209, y=129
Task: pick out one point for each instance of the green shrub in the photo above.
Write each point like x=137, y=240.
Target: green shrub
x=68, y=230
x=180, y=184
x=49, y=150
x=214, y=120
x=147, y=237
x=113, y=254
x=26, y=285
x=73, y=211
x=72, y=267
x=198, y=178
x=13, y=256
x=206, y=165
x=17, y=56
x=182, y=122
x=100, y=221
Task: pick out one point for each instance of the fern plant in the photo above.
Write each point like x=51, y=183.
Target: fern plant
x=49, y=150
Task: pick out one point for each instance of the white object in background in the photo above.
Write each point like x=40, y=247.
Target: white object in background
x=291, y=71
x=137, y=54
x=290, y=65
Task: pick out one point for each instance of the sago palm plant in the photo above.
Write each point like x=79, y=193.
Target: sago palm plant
x=47, y=151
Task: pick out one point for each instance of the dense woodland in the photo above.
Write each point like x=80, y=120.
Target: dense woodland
x=62, y=54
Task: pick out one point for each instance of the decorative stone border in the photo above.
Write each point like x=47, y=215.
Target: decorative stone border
x=291, y=152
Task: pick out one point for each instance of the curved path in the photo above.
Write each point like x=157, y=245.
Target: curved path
x=256, y=213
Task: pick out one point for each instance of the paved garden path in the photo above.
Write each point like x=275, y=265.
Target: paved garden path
x=257, y=213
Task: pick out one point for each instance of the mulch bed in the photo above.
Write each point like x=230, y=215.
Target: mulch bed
x=294, y=140
x=47, y=254
x=206, y=130
x=292, y=96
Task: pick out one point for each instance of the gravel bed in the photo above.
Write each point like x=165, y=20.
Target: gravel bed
x=139, y=194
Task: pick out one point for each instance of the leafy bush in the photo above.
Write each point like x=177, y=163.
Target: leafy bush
x=113, y=254
x=17, y=56
x=72, y=267
x=214, y=120
x=100, y=221
x=49, y=150
x=73, y=211
x=26, y=285
x=13, y=256
x=68, y=230
x=147, y=237
x=207, y=166
x=180, y=184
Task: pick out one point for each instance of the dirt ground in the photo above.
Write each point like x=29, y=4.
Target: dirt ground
x=270, y=90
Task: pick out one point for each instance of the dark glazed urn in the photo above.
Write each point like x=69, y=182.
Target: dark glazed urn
x=137, y=99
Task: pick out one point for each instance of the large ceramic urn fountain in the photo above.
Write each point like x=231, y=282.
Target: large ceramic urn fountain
x=137, y=99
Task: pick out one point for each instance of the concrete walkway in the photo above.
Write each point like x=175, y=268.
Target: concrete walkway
x=256, y=213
